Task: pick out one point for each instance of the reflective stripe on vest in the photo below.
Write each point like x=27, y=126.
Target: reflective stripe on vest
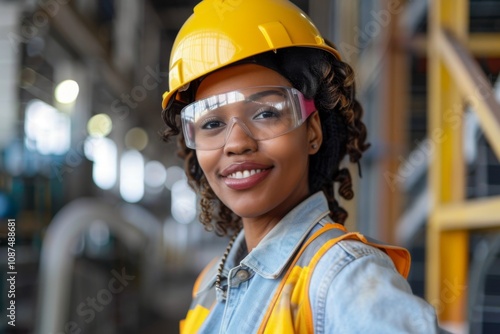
x=290, y=309
x=203, y=300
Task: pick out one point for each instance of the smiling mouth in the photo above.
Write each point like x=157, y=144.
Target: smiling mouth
x=245, y=173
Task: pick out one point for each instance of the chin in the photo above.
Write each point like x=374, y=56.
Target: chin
x=246, y=212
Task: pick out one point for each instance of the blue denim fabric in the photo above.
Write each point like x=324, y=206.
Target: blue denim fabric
x=354, y=288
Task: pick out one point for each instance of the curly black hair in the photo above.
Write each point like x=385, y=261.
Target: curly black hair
x=319, y=76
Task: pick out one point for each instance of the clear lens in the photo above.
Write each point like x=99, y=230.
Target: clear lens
x=263, y=112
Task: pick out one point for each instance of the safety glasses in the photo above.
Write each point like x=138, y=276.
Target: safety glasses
x=263, y=112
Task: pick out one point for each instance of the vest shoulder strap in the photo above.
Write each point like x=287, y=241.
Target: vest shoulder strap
x=330, y=234
x=278, y=316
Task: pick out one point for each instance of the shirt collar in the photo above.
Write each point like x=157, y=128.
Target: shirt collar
x=282, y=241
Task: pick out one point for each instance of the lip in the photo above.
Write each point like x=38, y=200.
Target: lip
x=248, y=182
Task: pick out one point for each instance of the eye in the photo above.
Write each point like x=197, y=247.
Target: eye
x=268, y=112
x=211, y=124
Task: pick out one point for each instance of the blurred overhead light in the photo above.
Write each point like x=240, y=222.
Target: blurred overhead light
x=136, y=138
x=132, y=176
x=89, y=147
x=99, y=125
x=183, y=202
x=155, y=174
x=103, y=152
x=47, y=130
x=67, y=91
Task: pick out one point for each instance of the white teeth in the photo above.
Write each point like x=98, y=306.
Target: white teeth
x=244, y=174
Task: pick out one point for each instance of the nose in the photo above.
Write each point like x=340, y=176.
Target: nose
x=239, y=139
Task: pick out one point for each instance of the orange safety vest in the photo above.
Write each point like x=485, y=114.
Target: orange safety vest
x=290, y=309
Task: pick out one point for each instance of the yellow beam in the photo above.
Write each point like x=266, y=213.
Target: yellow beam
x=432, y=274
x=446, y=252
x=478, y=44
x=469, y=215
x=484, y=44
x=473, y=84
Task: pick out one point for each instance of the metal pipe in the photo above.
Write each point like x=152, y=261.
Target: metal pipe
x=57, y=259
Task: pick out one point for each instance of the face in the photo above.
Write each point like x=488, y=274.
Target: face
x=258, y=179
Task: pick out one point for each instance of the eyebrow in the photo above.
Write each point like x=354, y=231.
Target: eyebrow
x=259, y=95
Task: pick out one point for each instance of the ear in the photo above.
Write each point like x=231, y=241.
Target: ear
x=314, y=133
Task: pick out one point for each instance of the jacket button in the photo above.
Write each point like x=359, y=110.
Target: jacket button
x=242, y=275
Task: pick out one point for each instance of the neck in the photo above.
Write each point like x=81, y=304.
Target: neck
x=256, y=230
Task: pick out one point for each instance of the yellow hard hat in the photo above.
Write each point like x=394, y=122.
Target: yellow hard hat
x=222, y=32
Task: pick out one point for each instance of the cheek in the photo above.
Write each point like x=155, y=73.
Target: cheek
x=292, y=149
x=208, y=161
x=297, y=141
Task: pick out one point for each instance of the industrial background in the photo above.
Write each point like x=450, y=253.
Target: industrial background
x=106, y=233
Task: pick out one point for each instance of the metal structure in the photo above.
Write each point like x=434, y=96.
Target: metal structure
x=454, y=81
x=138, y=231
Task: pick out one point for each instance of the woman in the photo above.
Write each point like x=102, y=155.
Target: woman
x=265, y=112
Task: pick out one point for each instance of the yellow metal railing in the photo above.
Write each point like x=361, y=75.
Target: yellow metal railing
x=455, y=80
x=479, y=44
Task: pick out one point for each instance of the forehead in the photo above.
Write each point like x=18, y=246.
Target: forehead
x=238, y=77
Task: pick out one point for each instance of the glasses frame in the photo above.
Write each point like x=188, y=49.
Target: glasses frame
x=188, y=114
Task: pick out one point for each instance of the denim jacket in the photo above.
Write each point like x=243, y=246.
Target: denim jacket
x=354, y=287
